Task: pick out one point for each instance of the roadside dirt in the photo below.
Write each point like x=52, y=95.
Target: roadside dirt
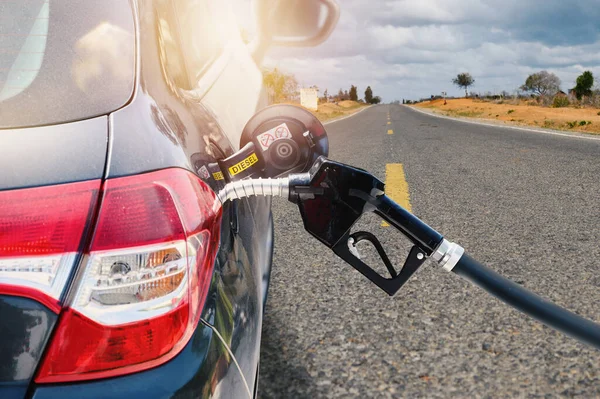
x=581, y=120
x=329, y=111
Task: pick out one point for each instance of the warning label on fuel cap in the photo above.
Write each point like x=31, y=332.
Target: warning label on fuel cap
x=270, y=136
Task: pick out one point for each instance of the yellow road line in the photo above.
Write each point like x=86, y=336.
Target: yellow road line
x=396, y=186
x=390, y=131
x=389, y=123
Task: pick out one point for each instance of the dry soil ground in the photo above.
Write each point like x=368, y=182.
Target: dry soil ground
x=582, y=120
x=329, y=111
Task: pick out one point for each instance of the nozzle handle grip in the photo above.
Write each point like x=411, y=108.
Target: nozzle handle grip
x=408, y=224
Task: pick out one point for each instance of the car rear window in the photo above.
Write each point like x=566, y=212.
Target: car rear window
x=64, y=60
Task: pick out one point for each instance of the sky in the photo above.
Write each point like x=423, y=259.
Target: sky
x=410, y=49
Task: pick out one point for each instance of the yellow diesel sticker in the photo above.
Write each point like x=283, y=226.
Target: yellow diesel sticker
x=218, y=175
x=243, y=165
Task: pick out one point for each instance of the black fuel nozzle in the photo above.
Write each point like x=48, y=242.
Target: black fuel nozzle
x=282, y=141
x=333, y=196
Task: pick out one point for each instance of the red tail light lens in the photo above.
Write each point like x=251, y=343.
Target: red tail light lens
x=145, y=280
x=40, y=234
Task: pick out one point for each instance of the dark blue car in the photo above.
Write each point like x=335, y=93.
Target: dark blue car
x=121, y=273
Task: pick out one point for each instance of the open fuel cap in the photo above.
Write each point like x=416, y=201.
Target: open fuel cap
x=287, y=139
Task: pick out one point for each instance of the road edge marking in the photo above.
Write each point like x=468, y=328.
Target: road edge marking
x=552, y=133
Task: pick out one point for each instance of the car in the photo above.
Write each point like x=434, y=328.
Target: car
x=121, y=273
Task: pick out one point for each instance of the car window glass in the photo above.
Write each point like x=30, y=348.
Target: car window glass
x=21, y=66
x=63, y=61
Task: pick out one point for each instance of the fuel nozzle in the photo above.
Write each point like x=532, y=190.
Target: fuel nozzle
x=331, y=198
x=283, y=153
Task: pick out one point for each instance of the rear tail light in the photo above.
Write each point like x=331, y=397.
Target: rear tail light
x=143, y=282
x=41, y=230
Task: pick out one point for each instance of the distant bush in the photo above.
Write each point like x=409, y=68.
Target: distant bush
x=582, y=123
x=546, y=101
x=598, y=114
x=510, y=111
x=560, y=102
x=571, y=125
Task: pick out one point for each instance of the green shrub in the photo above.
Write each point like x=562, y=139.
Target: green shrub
x=582, y=123
x=571, y=125
x=560, y=102
x=598, y=114
x=510, y=111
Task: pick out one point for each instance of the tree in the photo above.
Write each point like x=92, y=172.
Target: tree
x=542, y=83
x=464, y=80
x=280, y=86
x=369, y=95
x=340, y=95
x=376, y=100
x=585, y=82
x=325, y=96
x=353, y=93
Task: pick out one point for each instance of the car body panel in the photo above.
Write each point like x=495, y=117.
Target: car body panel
x=53, y=154
x=23, y=341
x=235, y=302
x=164, y=127
x=31, y=157
x=203, y=369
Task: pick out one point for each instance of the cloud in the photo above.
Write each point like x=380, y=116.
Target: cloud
x=413, y=48
x=410, y=13
x=430, y=37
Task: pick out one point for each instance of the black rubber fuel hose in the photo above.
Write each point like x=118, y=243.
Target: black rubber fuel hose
x=527, y=302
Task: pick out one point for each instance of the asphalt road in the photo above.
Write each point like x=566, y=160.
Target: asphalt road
x=526, y=204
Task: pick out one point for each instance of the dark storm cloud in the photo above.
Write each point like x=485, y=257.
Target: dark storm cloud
x=552, y=22
x=555, y=22
x=413, y=48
